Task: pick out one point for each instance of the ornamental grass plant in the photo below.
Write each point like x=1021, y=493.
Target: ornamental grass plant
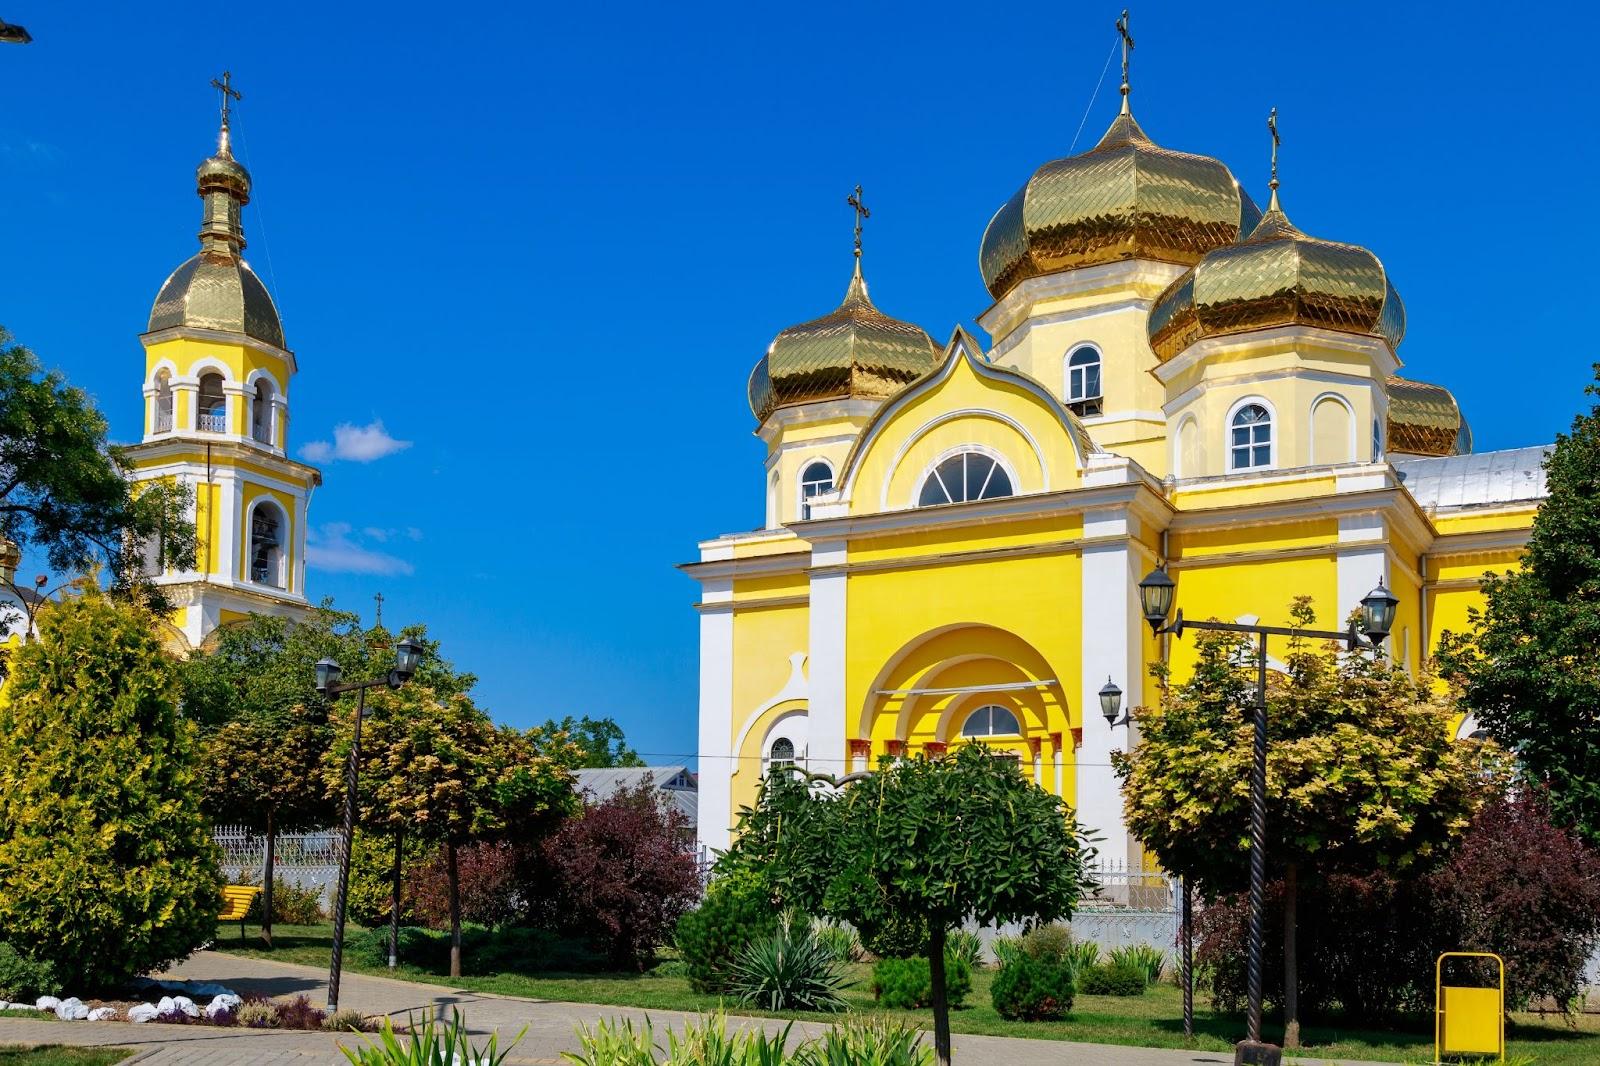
x=430, y=1044
x=792, y=969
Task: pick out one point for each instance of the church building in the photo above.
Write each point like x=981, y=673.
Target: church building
x=216, y=417
x=954, y=532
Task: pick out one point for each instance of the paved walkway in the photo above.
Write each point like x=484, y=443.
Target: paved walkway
x=549, y=1025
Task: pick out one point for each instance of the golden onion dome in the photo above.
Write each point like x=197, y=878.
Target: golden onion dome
x=1277, y=276
x=1425, y=419
x=1125, y=198
x=216, y=289
x=856, y=351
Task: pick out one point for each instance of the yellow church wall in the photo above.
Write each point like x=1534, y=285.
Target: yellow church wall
x=768, y=586
x=1495, y=521
x=1247, y=537
x=921, y=543
x=764, y=639
x=1243, y=490
x=1265, y=589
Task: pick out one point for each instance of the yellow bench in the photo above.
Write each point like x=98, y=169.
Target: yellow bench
x=236, y=900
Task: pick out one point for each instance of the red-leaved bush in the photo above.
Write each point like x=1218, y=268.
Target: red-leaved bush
x=490, y=891
x=1516, y=885
x=621, y=874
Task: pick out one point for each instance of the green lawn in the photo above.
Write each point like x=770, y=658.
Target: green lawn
x=55, y=1055
x=1152, y=1020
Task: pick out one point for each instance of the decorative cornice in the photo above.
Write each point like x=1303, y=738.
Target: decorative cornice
x=220, y=336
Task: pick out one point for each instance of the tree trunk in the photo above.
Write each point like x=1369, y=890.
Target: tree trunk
x=941, y=1005
x=1291, y=978
x=268, y=876
x=455, y=909
x=394, y=901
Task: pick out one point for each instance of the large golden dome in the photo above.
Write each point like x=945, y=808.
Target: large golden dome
x=856, y=351
x=216, y=289
x=1277, y=276
x=1125, y=198
x=1425, y=419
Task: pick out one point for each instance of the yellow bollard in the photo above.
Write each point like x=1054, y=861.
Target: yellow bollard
x=1468, y=1020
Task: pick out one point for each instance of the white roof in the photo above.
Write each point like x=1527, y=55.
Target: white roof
x=676, y=781
x=1482, y=479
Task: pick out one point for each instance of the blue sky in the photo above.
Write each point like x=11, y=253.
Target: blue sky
x=545, y=246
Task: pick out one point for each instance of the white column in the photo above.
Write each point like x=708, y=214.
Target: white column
x=827, y=662
x=716, y=714
x=1362, y=561
x=1111, y=645
x=1056, y=740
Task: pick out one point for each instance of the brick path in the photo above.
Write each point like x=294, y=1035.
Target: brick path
x=549, y=1025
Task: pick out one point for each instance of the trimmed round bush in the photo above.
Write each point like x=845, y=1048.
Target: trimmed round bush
x=1112, y=979
x=1032, y=990
x=735, y=912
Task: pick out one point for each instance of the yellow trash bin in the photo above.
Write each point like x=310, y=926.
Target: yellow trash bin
x=1469, y=1020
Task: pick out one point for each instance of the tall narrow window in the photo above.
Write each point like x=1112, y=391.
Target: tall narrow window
x=965, y=477
x=1250, y=438
x=815, y=480
x=267, y=538
x=1083, y=381
x=163, y=421
x=212, y=414
x=261, y=412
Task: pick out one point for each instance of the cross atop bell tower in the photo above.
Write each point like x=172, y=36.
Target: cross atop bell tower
x=229, y=94
x=1127, y=51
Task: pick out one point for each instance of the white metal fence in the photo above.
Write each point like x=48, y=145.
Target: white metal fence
x=1131, y=905
x=306, y=860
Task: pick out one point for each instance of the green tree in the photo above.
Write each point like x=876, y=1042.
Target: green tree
x=940, y=841
x=435, y=766
x=598, y=741
x=1527, y=669
x=107, y=867
x=65, y=489
x=1362, y=773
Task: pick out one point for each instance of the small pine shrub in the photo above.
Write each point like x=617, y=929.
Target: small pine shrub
x=291, y=905
x=1147, y=959
x=907, y=984
x=22, y=978
x=842, y=941
x=258, y=1015
x=1047, y=943
x=790, y=970
x=1031, y=990
x=966, y=946
x=735, y=912
x=1111, y=980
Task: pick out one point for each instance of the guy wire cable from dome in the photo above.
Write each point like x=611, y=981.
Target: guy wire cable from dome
x=1092, y=98
x=266, y=242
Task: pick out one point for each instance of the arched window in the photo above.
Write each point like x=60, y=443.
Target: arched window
x=1250, y=438
x=815, y=479
x=1083, y=381
x=163, y=421
x=268, y=535
x=211, y=416
x=781, y=753
x=261, y=412
x=991, y=721
x=963, y=478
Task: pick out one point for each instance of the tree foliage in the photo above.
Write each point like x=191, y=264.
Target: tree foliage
x=107, y=868
x=598, y=741
x=943, y=840
x=1362, y=771
x=1527, y=669
x=65, y=489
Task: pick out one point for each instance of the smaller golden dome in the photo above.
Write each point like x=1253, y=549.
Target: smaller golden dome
x=1277, y=276
x=1125, y=198
x=856, y=351
x=1425, y=419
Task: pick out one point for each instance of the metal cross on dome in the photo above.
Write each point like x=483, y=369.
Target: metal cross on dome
x=854, y=200
x=1272, y=127
x=1127, y=47
x=225, y=87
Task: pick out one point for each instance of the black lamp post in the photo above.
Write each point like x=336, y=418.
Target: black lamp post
x=407, y=654
x=1156, y=594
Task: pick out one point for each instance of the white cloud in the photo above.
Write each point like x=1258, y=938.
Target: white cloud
x=332, y=546
x=357, y=444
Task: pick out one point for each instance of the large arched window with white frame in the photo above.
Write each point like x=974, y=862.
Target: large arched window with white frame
x=815, y=480
x=269, y=539
x=1083, y=390
x=1250, y=444
x=964, y=477
x=991, y=720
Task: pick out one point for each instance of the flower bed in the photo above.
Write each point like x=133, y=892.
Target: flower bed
x=223, y=1010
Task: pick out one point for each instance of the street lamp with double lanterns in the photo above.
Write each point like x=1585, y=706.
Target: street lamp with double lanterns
x=407, y=654
x=1156, y=595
